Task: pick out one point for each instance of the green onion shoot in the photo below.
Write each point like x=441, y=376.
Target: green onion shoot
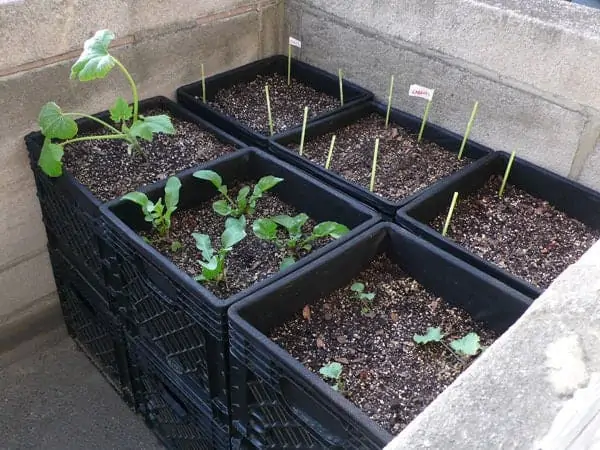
x=507, y=173
x=468, y=132
x=374, y=168
x=303, y=130
x=389, y=106
x=330, y=154
x=341, y=78
x=425, y=116
x=450, y=212
x=269, y=109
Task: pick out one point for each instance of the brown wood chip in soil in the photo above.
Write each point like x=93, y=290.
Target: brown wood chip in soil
x=106, y=169
x=385, y=373
x=404, y=166
x=246, y=102
x=250, y=261
x=520, y=233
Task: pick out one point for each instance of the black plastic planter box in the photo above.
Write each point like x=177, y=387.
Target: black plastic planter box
x=71, y=212
x=276, y=401
x=572, y=198
x=185, y=324
x=448, y=140
x=191, y=95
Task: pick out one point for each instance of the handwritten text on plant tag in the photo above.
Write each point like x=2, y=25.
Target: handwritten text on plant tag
x=295, y=42
x=421, y=91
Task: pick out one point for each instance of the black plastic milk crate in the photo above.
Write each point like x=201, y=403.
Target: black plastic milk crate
x=96, y=331
x=185, y=323
x=450, y=141
x=191, y=95
x=565, y=195
x=177, y=416
x=277, y=402
x=71, y=212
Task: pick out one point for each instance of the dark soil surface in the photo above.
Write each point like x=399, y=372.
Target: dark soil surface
x=109, y=172
x=520, y=233
x=250, y=261
x=385, y=374
x=247, y=103
x=404, y=166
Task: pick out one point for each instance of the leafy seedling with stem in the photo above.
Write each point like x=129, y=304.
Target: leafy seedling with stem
x=333, y=371
x=214, y=260
x=468, y=345
x=245, y=203
x=297, y=240
x=60, y=129
x=365, y=298
x=159, y=213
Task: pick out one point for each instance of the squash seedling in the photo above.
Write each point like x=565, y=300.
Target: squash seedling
x=245, y=203
x=213, y=260
x=159, y=213
x=296, y=240
x=468, y=345
x=365, y=298
x=333, y=371
x=94, y=63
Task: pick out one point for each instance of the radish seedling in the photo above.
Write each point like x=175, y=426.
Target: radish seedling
x=245, y=203
x=94, y=63
x=333, y=371
x=468, y=345
x=365, y=298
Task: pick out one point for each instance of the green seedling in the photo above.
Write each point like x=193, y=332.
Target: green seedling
x=468, y=132
x=269, y=113
x=365, y=298
x=159, y=213
x=374, y=165
x=297, y=240
x=303, y=135
x=389, y=105
x=245, y=202
x=333, y=371
x=60, y=129
x=330, y=154
x=450, y=214
x=214, y=260
x=424, y=121
x=507, y=173
x=468, y=345
x=341, y=81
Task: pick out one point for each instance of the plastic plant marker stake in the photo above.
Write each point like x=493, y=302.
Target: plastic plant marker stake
x=507, y=173
x=203, y=84
x=374, y=168
x=468, y=132
x=450, y=212
x=389, y=106
x=424, y=122
x=289, y=80
x=341, y=78
x=269, y=109
x=330, y=154
x=303, y=130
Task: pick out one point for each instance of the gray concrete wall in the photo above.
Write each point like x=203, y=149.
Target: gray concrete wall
x=530, y=64
x=161, y=42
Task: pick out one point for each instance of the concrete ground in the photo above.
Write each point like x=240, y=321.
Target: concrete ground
x=52, y=397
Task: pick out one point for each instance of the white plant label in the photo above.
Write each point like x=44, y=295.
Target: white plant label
x=295, y=42
x=421, y=91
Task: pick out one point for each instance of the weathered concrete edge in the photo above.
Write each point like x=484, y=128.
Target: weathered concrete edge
x=513, y=394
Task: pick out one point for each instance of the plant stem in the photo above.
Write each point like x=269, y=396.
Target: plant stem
x=450, y=212
x=341, y=77
x=269, y=109
x=458, y=358
x=507, y=173
x=468, y=132
x=134, y=90
x=425, y=116
x=303, y=130
x=374, y=168
x=389, y=106
x=330, y=154
x=94, y=138
x=95, y=119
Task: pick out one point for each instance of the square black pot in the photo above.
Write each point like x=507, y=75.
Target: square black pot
x=184, y=323
x=71, y=213
x=448, y=140
x=191, y=95
x=572, y=198
x=276, y=401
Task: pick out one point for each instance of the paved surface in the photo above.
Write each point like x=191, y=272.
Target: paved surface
x=52, y=397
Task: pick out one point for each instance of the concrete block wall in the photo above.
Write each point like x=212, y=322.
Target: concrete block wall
x=161, y=42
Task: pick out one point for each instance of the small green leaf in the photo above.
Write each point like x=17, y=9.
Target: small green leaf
x=204, y=245
x=332, y=229
x=265, y=229
x=268, y=182
x=358, y=287
x=54, y=124
x=368, y=296
x=332, y=370
x=210, y=266
x=432, y=335
x=292, y=224
x=234, y=233
x=172, y=193
x=222, y=208
x=121, y=110
x=139, y=198
x=233, y=222
x=287, y=262
x=146, y=127
x=211, y=176
x=95, y=61
x=176, y=246
x=51, y=158
x=468, y=345
x=242, y=198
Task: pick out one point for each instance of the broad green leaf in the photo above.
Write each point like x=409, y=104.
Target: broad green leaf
x=211, y=176
x=211, y=265
x=141, y=199
x=222, y=208
x=232, y=235
x=292, y=224
x=268, y=182
x=468, y=345
x=333, y=229
x=95, y=61
x=242, y=198
x=121, y=110
x=172, y=193
x=358, y=287
x=432, y=335
x=265, y=229
x=332, y=370
x=238, y=223
x=146, y=127
x=54, y=124
x=51, y=158
x=204, y=245
x=287, y=262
